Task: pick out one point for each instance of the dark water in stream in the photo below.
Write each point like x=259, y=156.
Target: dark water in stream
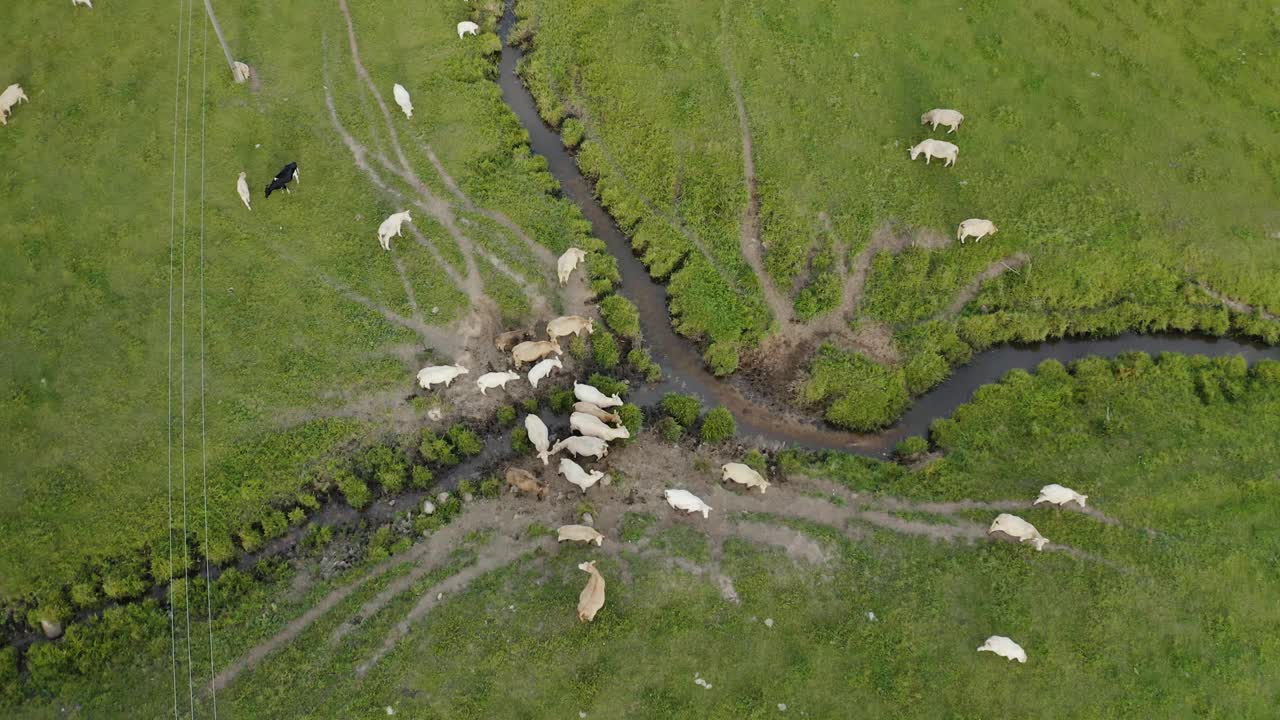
x=682, y=364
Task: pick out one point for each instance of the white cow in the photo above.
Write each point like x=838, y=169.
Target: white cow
x=495, y=379
x=538, y=436
x=1058, y=495
x=574, y=473
x=466, y=27
x=975, y=228
x=936, y=149
x=941, y=116
x=569, y=325
x=687, y=501
x=592, y=426
x=242, y=188
x=743, y=475
x=436, y=374
x=588, y=393
x=85, y=3
x=11, y=96
x=531, y=350
x=240, y=72
x=543, y=369
x=580, y=533
x=1004, y=647
x=592, y=409
x=568, y=262
x=582, y=446
x=1016, y=527
x=402, y=99
x=392, y=226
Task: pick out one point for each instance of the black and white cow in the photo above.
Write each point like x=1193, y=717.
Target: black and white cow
x=283, y=178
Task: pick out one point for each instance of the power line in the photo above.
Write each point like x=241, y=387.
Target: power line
x=186, y=546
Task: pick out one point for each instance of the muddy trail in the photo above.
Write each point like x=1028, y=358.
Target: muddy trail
x=769, y=418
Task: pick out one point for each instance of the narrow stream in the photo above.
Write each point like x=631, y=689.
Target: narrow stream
x=682, y=365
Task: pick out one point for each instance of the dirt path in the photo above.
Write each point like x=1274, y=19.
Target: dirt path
x=1236, y=305
x=1012, y=264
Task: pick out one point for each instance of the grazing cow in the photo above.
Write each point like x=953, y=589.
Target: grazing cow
x=466, y=27
x=538, y=436
x=402, y=99
x=507, y=340
x=524, y=481
x=282, y=179
x=86, y=3
x=591, y=599
x=240, y=72
x=242, y=188
x=495, y=379
x=392, y=226
x=568, y=262
x=588, y=393
x=1058, y=495
x=531, y=350
x=975, y=228
x=582, y=446
x=593, y=409
x=574, y=473
x=543, y=369
x=580, y=533
x=940, y=116
x=743, y=475
x=436, y=374
x=592, y=426
x=11, y=96
x=1019, y=529
x=687, y=501
x=1004, y=647
x=936, y=149
x=569, y=325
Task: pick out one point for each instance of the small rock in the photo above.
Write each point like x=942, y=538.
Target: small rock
x=871, y=616
x=857, y=55
x=588, y=520
x=257, y=145
x=1095, y=74
x=581, y=714
x=435, y=310
x=782, y=707
x=439, y=596
x=428, y=507
x=511, y=607
x=392, y=502
x=391, y=710
x=52, y=629
x=768, y=622
x=442, y=497
x=466, y=497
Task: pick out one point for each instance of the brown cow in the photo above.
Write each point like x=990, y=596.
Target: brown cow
x=508, y=340
x=591, y=599
x=524, y=481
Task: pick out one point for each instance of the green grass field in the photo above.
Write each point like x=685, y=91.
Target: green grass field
x=1128, y=152
x=85, y=220
x=1169, y=613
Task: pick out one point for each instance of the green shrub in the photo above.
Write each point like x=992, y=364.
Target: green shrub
x=520, y=440
x=561, y=403
x=718, y=426
x=578, y=348
x=911, y=447
x=864, y=395
x=683, y=408
x=668, y=429
x=490, y=487
x=308, y=501
x=436, y=449
x=50, y=607
x=274, y=524
x=85, y=594
x=530, y=404
x=506, y=415
x=757, y=461
x=422, y=477
x=572, y=131
x=250, y=540
x=606, y=385
x=384, y=466
x=222, y=549
x=466, y=442
x=317, y=536
x=642, y=363
x=178, y=593
x=605, y=350
x=621, y=316
x=632, y=418
x=466, y=487
x=297, y=516
x=635, y=525
x=353, y=489
x=722, y=358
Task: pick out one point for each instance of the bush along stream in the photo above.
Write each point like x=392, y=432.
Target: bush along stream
x=856, y=391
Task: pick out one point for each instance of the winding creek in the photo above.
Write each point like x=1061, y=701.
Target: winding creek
x=682, y=364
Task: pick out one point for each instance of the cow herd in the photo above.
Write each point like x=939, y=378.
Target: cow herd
x=976, y=228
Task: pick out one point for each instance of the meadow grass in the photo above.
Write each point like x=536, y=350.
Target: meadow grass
x=85, y=225
x=1127, y=151
x=1168, y=615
